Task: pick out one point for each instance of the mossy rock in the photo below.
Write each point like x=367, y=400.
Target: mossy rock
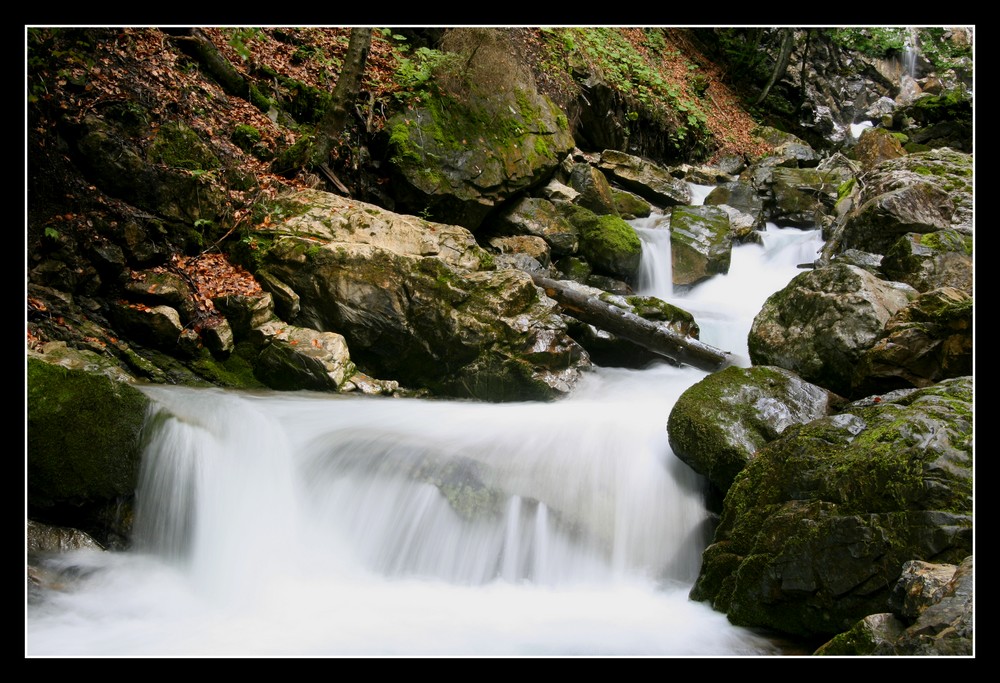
x=84, y=446
x=815, y=529
x=178, y=146
x=609, y=244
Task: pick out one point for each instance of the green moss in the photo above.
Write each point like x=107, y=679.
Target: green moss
x=611, y=232
x=846, y=187
x=947, y=240
x=399, y=142
x=857, y=641
x=653, y=308
x=245, y=137
x=178, y=146
x=236, y=371
x=83, y=435
x=298, y=155
x=541, y=146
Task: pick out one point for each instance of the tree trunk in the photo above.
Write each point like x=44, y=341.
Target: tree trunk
x=344, y=94
x=657, y=338
x=781, y=66
x=195, y=43
x=199, y=46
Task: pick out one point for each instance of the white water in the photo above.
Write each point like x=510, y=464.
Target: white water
x=300, y=524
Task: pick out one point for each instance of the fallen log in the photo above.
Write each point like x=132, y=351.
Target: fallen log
x=646, y=333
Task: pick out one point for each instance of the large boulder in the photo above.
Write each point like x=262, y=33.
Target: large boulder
x=457, y=161
x=83, y=449
x=412, y=302
x=719, y=424
x=700, y=243
x=609, y=244
x=815, y=529
x=917, y=193
x=822, y=321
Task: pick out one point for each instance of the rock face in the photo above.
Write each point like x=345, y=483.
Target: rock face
x=932, y=260
x=929, y=340
x=815, y=530
x=933, y=615
x=411, y=301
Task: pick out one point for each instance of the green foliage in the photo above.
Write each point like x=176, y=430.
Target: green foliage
x=871, y=41
x=940, y=51
x=744, y=52
x=415, y=74
x=295, y=156
x=240, y=37
x=639, y=81
x=654, y=40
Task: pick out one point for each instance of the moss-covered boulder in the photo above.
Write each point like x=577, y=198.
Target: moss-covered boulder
x=83, y=440
x=815, y=530
x=939, y=121
x=630, y=205
x=609, y=244
x=457, y=160
x=719, y=424
x=918, y=193
x=701, y=243
x=867, y=637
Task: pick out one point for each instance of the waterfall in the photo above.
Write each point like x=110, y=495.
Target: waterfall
x=274, y=524
x=911, y=51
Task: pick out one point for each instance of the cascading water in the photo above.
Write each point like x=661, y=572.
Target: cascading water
x=303, y=524
x=910, y=53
